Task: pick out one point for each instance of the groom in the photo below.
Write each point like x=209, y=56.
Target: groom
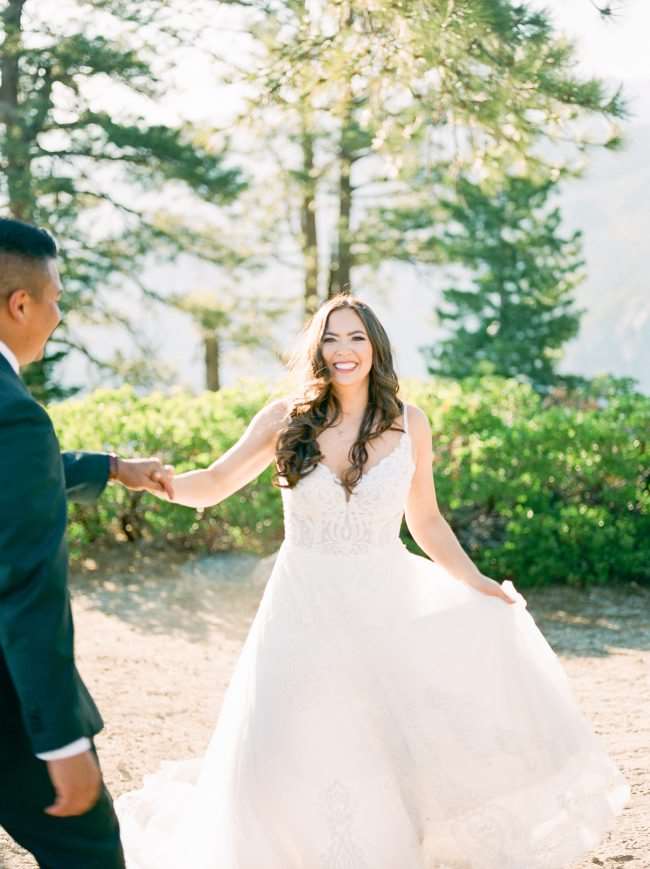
x=52, y=799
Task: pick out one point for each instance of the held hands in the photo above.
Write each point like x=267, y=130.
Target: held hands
x=77, y=782
x=148, y=475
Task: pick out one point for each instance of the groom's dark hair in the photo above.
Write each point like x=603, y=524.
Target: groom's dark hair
x=24, y=252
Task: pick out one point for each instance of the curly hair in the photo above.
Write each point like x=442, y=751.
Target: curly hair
x=315, y=407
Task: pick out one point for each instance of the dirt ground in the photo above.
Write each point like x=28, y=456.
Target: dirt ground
x=157, y=639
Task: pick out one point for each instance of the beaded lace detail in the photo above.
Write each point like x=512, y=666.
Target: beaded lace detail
x=319, y=516
x=382, y=715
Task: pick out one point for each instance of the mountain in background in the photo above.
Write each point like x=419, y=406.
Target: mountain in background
x=611, y=205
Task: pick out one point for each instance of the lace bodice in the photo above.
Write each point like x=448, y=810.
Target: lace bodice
x=381, y=714
x=318, y=516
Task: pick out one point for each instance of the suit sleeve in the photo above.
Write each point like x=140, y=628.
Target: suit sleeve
x=86, y=475
x=36, y=632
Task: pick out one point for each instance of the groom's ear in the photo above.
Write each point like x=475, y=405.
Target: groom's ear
x=24, y=280
x=18, y=304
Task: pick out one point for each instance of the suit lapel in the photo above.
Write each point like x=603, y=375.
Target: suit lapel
x=5, y=365
x=7, y=371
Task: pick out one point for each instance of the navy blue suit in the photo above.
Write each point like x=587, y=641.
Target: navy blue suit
x=44, y=704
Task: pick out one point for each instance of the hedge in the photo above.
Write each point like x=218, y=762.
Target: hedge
x=538, y=490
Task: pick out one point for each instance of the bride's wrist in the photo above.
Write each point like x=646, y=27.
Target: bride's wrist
x=472, y=578
x=113, y=467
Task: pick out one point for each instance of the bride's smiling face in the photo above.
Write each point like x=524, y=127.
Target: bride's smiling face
x=346, y=348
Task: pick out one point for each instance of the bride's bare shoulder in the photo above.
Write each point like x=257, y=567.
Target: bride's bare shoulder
x=417, y=420
x=273, y=416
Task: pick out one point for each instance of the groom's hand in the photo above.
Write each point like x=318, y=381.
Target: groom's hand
x=77, y=783
x=146, y=475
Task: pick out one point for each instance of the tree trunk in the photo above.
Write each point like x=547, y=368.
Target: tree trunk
x=212, y=359
x=16, y=146
x=341, y=266
x=308, y=221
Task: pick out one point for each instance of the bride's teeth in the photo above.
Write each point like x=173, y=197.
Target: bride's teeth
x=345, y=366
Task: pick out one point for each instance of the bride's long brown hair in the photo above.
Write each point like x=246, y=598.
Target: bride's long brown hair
x=315, y=407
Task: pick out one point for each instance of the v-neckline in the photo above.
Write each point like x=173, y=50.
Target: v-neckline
x=365, y=474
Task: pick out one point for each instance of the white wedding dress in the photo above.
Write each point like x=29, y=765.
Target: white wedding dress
x=382, y=715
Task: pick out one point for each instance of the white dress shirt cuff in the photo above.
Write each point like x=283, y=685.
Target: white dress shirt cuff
x=76, y=747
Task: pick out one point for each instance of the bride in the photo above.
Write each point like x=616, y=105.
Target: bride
x=387, y=711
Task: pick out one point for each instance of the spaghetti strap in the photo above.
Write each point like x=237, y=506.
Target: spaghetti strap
x=406, y=419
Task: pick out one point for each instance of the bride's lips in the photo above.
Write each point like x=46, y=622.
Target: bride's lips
x=347, y=366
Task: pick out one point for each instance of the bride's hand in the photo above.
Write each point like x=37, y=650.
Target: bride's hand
x=492, y=588
x=146, y=475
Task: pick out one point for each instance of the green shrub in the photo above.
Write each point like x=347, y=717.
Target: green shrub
x=187, y=432
x=537, y=490
x=544, y=492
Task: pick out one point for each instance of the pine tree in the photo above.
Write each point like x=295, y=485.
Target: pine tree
x=91, y=174
x=515, y=310
x=226, y=321
x=376, y=107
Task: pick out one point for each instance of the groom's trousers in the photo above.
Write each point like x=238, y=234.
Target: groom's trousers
x=89, y=841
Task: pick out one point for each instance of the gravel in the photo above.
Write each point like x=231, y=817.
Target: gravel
x=158, y=637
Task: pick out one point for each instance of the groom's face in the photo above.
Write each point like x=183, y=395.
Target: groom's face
x=47, y=313
x=36, y=312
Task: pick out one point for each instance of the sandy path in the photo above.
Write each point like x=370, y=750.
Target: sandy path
x=158, y=640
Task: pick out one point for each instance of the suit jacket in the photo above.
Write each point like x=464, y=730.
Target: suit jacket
x=43, y=702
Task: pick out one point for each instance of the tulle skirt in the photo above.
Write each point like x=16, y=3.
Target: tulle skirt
x=383, y=715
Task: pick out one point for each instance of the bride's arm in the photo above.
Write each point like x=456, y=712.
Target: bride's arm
x=428, y=526
x=244, y=461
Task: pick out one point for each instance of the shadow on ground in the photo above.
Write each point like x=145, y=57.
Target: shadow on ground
x=593, y=622
x=175, y=594
x=157, y=593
